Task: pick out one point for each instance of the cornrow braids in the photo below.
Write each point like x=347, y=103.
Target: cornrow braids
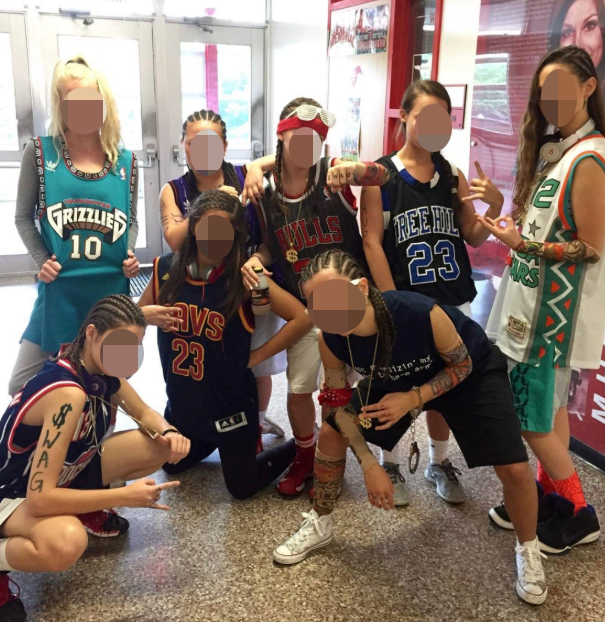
x=278, y=202
x=110, y=312
x=344, y=265
x=229, y=175
x=213, y=200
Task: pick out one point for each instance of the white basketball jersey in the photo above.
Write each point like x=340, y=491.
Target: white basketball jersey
x=543, y=304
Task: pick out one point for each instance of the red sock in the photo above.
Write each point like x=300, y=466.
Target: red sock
x=305, y=446
x=571, y=489
x=544, y=480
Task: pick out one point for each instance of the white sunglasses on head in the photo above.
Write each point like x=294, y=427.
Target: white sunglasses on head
x=306, y=112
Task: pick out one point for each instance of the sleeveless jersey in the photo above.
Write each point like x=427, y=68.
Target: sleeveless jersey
x=205, y=363
x=422, y=240
x=415, y=359
x=185, y=192
x=84, y=220
x=18, y=441
x=318, y=221
x=541, y=302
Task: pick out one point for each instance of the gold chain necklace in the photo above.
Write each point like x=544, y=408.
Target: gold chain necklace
x=291, y=253
x=364, y=422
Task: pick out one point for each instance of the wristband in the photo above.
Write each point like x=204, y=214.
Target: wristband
x=335, y=397
x=520, y=248
x=170, y=430
x=421, y=405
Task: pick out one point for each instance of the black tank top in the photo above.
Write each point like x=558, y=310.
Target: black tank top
x=327, y=220
x=422, y=239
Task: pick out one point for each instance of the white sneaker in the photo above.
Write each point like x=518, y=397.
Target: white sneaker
x=531, y=581
x=315, y=532
x=271, y=427
x=400, y=497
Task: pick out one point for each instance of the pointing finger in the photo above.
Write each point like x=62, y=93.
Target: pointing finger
x=482, y=175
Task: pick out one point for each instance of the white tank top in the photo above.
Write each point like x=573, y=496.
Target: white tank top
x=544, y=304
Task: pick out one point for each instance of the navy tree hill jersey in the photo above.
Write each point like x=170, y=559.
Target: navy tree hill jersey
x=18, y=441
x=327, y=220
x=415, y=359
x=205, y=363
x=422, y=239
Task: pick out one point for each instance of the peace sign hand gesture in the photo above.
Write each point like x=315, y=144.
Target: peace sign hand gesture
x=483, y=188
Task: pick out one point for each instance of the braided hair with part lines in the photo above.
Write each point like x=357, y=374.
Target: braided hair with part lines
x=434, y=89
x=209, y=116
x=218, y=201
x=279, y=156
x=110, y=312
x=344, y=265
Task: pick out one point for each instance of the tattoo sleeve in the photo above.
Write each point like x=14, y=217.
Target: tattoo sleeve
x=345, y=418
x=375, y=175
x=574, y=251
x=458, y=367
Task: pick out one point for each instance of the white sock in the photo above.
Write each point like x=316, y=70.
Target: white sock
x=531, y=543
x=394, y=456
x=4, y=565
x=261, y=417
x=437, y=451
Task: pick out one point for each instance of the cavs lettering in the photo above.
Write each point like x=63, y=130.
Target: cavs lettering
x=87, y=215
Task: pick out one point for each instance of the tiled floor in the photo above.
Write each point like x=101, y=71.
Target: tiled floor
x=209, y=558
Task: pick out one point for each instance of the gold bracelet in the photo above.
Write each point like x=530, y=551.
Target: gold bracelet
x=421, y=405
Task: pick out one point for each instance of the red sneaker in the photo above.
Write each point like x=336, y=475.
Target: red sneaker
x=294, y=479
x=104, y=523
x=11, y=607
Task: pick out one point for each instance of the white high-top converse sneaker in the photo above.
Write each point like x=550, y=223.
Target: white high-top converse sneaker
x=531, y=581
x=315, y=532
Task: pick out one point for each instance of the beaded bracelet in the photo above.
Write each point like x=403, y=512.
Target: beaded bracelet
x=335, y=397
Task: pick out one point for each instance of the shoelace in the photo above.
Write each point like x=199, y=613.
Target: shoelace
x=395, y=474
x=451, y=471
x=531, y=558
x=310, y=519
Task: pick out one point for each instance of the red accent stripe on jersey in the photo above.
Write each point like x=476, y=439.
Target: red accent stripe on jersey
x=247, y=316
x=67, y=365
x=155, y=281
x=561, y=206
x=30, y=402
x=348, y=199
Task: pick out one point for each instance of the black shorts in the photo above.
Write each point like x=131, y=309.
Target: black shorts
x=91, y=477
x=479, y=411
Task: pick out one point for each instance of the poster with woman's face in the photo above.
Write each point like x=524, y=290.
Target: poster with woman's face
x=513, y=37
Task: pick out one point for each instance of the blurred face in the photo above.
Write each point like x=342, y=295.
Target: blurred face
x=581, y=27
x=335, y=305
x=302, y=146
x=428, y=124
x=204, y=147
x=119, y=351
x=83, y=109
x=562, y=95
x=214, y=235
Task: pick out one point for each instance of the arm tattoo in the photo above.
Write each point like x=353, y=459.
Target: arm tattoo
x=574, y=251
x=346, y=421
x=375, y=175
x=458, y=367
x=364, y=221
x=177, y=219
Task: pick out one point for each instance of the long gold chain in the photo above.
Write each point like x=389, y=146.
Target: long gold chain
x=291, y=253
x=364, y=422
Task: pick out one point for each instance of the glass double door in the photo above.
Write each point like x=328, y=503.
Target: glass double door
x=159, y=72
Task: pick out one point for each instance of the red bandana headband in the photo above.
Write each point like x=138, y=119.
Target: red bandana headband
x=294, y=122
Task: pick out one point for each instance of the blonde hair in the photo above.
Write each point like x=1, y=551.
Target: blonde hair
x=77, y=68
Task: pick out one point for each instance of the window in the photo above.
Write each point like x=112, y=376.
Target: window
x=491, y=106
x=118, y=8
x=424, y=34
x=9, y=140
x=248, y=11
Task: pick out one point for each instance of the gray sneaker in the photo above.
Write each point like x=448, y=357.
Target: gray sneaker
x=400, y=497
x=444, y=477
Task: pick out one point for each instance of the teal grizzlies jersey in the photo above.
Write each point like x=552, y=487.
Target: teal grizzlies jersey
x=84, y=220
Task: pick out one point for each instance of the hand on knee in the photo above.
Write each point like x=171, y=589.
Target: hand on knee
x=64, y=545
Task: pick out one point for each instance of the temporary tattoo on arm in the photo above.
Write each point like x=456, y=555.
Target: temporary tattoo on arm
x=58, y=420
x=574, y=251
x=364, y=220
x=458, y=367
x=375, y=175
x=346, y=421
x=163, y=217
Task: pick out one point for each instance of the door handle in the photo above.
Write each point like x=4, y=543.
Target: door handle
x=258, y=149
x=175, y=156
x=152, y=156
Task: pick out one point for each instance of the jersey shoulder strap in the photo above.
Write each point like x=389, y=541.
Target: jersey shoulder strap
x=161, y=269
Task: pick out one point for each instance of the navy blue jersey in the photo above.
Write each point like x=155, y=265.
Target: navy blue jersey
x=18, y=441
x=422, y=239
x=205, y=363
x=317, y=221
x=415, y=359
